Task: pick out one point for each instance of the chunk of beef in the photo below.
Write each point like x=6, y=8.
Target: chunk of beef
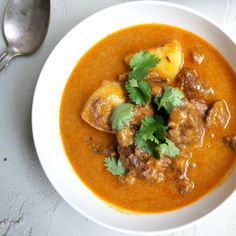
x=154, y=77
x=154, y=171
x=181, y=165
x=197, y=56
x=125, y=137
x=187, y=80
x=140, y=164
x=130, y=177
x=186, y=126
x=138, y=160
x=230, y=141
x=124, y=153
x=218, y=115
x=140, y=112
x=201, y=106
x=156, y=82
x=140, y=153
x=185, y=185
x=101, y=112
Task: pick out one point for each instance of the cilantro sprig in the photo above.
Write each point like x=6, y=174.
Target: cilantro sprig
x=151, y=137
x=171, y=98
x=141, y=63
x=138, y=89
x=168, y=148
x=114, y=166
x=148, y=146
x=152, y=128
x=121, y=116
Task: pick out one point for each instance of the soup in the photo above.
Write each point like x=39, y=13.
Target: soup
x=147, y=118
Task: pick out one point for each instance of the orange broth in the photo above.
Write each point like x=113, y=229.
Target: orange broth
x=105, y=61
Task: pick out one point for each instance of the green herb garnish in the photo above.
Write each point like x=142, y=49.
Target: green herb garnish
x=152, y=128
x=168, y=148
x=148, y=145
x=141, y=63
x=121, y=116
x=151, y=137
x=171, y=98
x=138, y=89
x=114, y=166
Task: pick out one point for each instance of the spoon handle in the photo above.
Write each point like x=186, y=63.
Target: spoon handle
x=5, y=58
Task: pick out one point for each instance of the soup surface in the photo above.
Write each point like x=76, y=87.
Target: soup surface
x=206, y=164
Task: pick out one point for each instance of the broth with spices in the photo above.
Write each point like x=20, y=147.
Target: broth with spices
x=202, y=127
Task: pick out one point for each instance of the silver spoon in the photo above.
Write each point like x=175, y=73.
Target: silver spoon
x=25, y=26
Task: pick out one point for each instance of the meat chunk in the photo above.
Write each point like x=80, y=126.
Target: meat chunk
x=186, y=126
x=156, y=82
x=218, y=115
x=197, y=56
x=141, y=154
x=130, y=177
x=181, y=165
x=125, y=152
x=155, y=169
x=140, y=112
x=139, y=164
x=125, y=137
x=201, y=106
x=155, y=78
x=230, y=141
x=99, y=120
x=187, y=80
x=185, y=185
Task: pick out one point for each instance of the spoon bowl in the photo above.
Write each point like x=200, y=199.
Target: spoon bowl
x=25, y=27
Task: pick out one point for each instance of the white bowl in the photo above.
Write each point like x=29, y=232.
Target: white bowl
x=46, y=104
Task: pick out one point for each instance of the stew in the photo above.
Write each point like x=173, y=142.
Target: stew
x=148, y=118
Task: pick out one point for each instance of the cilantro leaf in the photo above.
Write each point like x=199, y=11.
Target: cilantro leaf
x=148, y=146
x=141, y=63
x=147, y=133
x=114, y=166
x=168, y=148
x=139, y=91
x=152, y=127
x=121, y=115
x=171, y=98
x=133, y=83
x=151, y=132
x=157, y=99
x=152, y=120
x=161, y=132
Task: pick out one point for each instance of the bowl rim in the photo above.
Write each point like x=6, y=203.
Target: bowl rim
x=33, y=120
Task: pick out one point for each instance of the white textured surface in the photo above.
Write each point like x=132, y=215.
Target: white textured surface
x=28, y=203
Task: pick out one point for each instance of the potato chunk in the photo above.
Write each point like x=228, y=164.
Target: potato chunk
x=98, y=107
x=172, y=59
